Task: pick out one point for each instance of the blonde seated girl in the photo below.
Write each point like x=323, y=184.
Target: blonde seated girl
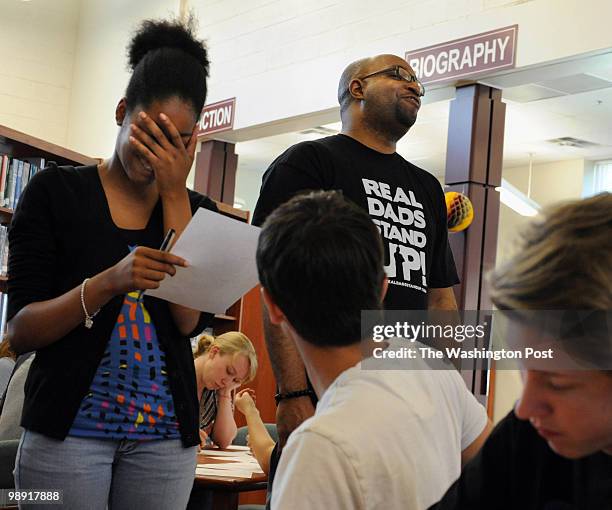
x=222, y=364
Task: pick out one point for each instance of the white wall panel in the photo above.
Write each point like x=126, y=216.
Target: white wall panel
x=37, y=48
x=263, y=52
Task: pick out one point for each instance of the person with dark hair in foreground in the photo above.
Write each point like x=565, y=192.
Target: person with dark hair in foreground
x=379, y=438
x=554, y=450
x=110, y=413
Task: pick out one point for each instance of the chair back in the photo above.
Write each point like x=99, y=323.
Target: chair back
x=240, y=439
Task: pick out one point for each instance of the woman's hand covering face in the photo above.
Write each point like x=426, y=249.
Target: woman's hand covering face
x=169, y=153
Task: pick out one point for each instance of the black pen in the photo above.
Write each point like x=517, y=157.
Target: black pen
x=164, y=247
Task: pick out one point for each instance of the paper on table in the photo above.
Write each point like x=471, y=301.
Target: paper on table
x=246, y=466
x=237, y=473
x=238, y=448
x=212, y=452
x=230, y=460
x=221, y=256
x=233, y=460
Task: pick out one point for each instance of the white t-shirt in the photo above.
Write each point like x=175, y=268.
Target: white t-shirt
x=379, y=439
x=6, y=369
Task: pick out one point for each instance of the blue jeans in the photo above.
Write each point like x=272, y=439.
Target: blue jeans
x=94, y=473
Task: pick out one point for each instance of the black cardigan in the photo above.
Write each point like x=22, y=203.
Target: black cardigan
x=62, y=232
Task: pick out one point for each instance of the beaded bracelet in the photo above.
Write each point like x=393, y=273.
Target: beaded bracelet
x=88, y=318
x=293, y=394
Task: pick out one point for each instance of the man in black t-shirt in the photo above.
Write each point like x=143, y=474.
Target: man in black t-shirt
x=405, y=202
x=379, y=100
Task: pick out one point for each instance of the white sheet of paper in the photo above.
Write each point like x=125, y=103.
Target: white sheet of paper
x=221, y=256
x=238, y=448
x=254, y=465
x=222, y=453
x=216, y=472
x=228, y=460
x=246, y=466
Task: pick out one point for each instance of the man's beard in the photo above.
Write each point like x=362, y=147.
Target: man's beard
x=393, y=122
x=405, y=118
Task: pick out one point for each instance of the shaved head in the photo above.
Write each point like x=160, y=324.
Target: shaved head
x=352, y=71
x=362, y=67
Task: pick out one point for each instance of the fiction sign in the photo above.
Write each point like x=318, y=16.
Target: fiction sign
x=465, y=57
x=217, y=117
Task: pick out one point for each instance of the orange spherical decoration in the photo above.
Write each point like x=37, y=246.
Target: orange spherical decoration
x=459, y=211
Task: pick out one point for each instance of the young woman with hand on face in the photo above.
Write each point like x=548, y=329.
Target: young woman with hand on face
x=222, y=364
x=110, y=413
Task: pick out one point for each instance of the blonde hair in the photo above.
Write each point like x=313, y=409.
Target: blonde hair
x=5, y=349
x=565, y=260
x=233, y=343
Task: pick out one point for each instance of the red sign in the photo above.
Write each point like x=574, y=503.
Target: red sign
x=467, y=56
x=217, y=117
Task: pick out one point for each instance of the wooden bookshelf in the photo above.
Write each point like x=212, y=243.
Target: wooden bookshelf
x=223, y=317
x=6, y=215
x=20, y=145
x=230, y=211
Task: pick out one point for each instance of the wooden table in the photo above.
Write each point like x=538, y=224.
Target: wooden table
x=225, y=490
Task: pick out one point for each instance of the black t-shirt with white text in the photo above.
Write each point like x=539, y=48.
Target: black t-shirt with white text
x=405, y=202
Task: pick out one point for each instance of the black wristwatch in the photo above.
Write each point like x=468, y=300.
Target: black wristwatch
x=293, y=394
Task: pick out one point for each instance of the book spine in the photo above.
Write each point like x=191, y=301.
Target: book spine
x=18, y=180
x=3, y=170
x=25, y=178
x=3, y=250
x=33, y=170
x=10, y=192
x=4, y=306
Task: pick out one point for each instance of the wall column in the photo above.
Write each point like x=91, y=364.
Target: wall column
x=215, y=172
x=474, y=159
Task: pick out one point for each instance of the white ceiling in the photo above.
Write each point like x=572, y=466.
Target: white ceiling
x=586, y=116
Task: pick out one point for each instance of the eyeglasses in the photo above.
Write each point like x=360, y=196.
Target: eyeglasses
x=399, y=73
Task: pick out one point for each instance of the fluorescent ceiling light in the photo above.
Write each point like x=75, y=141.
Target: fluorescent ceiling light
x=517, y=200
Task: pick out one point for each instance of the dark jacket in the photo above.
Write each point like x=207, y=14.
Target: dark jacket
x=62, y=232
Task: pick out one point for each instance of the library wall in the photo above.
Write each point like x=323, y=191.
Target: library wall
x=100, y=69
x=294, y=51
x=282, y=58
x=37, y=48
x=551, y=182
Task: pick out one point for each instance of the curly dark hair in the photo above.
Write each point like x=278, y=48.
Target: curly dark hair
x=167, y=60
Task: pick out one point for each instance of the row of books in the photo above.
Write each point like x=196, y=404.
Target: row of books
x=3, y=266
x=14, y=176
x=3, y=270
x=3, y=306
x=3, y=250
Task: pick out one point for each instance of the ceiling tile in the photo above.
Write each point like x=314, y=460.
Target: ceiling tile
x=529, y=92
x=576, y=83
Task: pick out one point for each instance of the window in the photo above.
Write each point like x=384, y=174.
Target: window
x=598, y=179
